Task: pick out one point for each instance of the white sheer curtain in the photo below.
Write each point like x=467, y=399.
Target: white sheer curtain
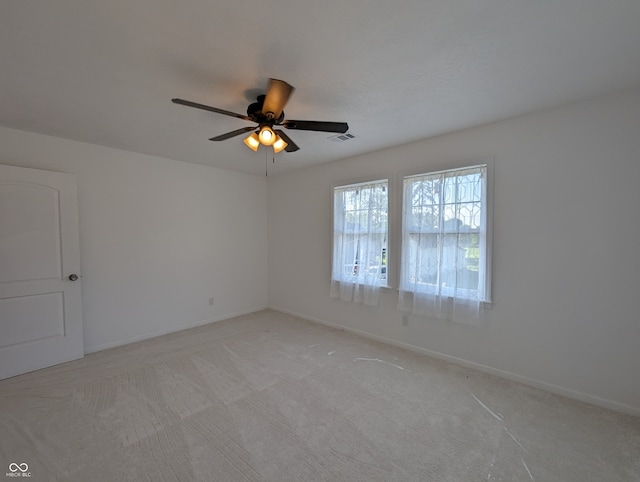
x=360, y=229
x=443, y=263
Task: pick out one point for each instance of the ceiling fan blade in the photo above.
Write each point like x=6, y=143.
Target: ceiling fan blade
x=340, y=127
x=291, y=146
x=278, y=93
x=231, y=134
x=188, y=103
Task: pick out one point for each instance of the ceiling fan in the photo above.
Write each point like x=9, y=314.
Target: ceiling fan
x=268, y=112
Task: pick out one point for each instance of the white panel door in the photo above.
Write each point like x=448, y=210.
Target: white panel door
x=40, y=293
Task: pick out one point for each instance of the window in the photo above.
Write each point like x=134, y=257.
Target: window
x=444, y=243
x=360, y=241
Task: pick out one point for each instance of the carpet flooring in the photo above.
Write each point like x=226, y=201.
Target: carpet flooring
x=268, y=396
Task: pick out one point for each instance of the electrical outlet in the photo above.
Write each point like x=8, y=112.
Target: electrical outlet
x=211, y=301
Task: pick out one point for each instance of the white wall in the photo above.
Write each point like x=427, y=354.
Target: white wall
x=158, y=237
x=566, y=251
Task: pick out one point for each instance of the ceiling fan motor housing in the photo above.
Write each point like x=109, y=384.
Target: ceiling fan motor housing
x=254, y=111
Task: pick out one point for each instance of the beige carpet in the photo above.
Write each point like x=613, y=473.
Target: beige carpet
x=271, y=397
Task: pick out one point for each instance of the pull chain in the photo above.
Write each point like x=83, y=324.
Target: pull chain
x=266, y=161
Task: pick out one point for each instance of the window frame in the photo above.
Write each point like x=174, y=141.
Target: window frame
x=391, y=201
x=487, y=302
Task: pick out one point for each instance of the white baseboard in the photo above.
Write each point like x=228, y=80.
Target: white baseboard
x=167, y=331
x=565, y=392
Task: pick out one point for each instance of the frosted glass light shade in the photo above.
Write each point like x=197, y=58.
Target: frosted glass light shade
x=267, y=136
x=252, y=142
x=279, y=144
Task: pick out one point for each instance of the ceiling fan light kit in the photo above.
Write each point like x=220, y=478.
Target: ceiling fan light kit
x=268, y=112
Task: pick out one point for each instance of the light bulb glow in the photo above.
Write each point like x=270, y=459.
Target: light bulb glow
x=267, y=136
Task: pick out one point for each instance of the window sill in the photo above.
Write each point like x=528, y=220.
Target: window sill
x=484, y=304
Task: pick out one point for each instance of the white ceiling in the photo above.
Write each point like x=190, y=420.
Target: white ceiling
x=104, y=72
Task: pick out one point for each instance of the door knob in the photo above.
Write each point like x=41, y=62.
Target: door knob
x=73, y=277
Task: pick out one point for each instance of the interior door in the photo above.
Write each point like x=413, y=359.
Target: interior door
x=40, y=292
